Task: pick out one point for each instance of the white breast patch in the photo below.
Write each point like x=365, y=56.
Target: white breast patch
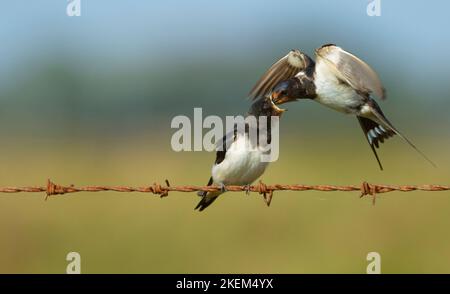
x=242, y=164
x=333, y=93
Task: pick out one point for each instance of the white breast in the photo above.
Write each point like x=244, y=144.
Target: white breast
x=331, y=92
x=242, y=164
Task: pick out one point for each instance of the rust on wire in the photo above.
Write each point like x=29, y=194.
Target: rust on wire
x=263, y=189
x=368, y=189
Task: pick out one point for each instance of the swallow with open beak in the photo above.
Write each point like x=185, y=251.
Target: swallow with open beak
x=338, y=80
x=239, y=161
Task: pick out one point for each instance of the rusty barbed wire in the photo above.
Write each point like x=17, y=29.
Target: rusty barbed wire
x=266, y=190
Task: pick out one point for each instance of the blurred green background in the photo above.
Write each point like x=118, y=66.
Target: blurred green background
x=88, y=100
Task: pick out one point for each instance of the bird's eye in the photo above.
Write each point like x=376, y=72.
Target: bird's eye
x=283, y=93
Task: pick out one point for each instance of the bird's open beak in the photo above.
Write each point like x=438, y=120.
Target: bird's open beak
x=277, y=109
x=278, y=99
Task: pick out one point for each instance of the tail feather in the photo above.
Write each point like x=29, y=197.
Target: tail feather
x=207, y=200
x=379, y=116
x=207, y=197
x=375, y=134
x=203, y=193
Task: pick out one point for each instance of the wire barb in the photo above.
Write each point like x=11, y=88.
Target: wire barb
x=368, y=189
x=267, y=193
x=161, y=191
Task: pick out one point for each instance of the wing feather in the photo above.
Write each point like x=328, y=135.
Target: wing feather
x=285, y=68
x=351, y=69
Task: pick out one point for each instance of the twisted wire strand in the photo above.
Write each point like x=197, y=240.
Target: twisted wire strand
x=266, y=190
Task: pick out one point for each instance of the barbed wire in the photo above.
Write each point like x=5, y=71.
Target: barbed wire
x=266, y=190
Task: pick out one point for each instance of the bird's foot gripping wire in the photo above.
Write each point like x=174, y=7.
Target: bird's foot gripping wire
x=223, y=188
x=247, y=189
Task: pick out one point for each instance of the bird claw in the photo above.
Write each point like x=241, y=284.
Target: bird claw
x=247, y=189
x=223, y=188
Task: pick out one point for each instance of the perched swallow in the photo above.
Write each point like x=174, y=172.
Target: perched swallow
x=239, y=162
x=339, y=80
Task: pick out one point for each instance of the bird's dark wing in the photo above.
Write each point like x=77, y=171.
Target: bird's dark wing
x=349, y=68
x=375, y=134
x=285, y=68
x=224, y=144
x=220, y=155
x=209, y=197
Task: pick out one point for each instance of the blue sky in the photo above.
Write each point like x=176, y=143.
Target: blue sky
x=410, y=38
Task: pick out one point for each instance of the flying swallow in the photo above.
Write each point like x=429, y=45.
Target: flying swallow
x=239, y=161
x=338, y=80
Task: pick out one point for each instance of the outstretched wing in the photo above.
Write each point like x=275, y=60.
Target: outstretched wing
x=285, y=68
x=349, y=68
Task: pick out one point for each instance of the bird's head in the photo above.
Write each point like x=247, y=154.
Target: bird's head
x=288, y=90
